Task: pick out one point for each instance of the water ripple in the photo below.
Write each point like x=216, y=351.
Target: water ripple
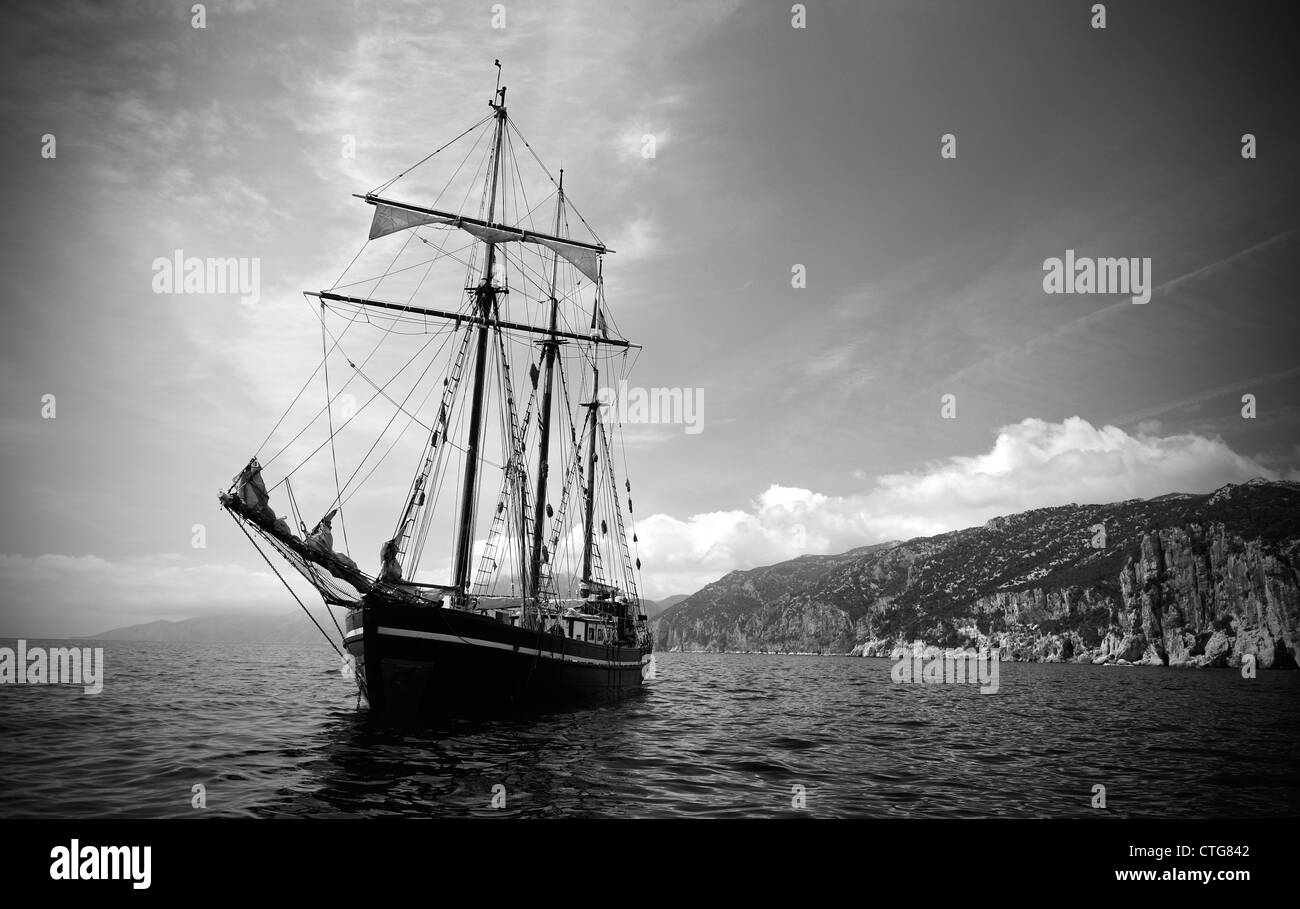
x=275, y=731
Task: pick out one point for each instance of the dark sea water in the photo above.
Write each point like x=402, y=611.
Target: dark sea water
x=275, y=730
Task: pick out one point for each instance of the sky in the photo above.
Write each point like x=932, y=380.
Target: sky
x=824, y=426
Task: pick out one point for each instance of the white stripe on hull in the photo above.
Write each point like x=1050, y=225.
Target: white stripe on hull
x=478, y=642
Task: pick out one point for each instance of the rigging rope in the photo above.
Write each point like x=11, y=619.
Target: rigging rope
x=554, y=182
x=286, y=584
x=349, y=420
x=383, y=186
x=293, y=506
x=310, y=422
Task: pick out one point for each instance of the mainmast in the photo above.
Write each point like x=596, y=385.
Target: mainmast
x=549, y=349
x=485, y=298
x=588, y=534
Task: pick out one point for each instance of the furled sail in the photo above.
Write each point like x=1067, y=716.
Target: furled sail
x=389, y=219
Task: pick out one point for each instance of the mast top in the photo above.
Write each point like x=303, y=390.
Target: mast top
x=500, y=94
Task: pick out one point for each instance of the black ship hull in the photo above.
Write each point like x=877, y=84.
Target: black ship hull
x=431, y=660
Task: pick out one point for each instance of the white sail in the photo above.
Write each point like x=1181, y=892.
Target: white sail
x=389, y=219
x=584, y=260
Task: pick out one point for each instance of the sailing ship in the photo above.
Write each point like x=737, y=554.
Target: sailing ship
x=537, y=600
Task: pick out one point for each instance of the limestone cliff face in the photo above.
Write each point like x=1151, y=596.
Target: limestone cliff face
x=1180, y=580
x=1204, y=596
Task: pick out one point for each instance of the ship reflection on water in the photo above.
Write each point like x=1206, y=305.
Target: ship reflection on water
x=536, y=762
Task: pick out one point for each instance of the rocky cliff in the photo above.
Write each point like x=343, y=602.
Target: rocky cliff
x=1178, y=580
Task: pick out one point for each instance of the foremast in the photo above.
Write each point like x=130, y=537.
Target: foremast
x=486, y=300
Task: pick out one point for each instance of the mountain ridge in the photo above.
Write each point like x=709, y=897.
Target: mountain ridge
x=233, y=628
x=1180, y=579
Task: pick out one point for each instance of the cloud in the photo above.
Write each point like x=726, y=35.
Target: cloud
x=1032, y=464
